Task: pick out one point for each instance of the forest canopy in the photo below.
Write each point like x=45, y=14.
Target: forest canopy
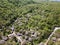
x=28, y=14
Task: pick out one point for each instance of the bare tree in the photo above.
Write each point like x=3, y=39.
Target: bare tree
x=23, y=36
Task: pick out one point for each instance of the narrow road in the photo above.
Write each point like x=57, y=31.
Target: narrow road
x=56, y=28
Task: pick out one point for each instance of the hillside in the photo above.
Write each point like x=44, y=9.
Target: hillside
x=27, y=15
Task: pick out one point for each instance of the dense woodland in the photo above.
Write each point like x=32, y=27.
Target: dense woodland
x=28, y=14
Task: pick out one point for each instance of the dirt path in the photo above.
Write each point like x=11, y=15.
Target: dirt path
x=56, y=28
